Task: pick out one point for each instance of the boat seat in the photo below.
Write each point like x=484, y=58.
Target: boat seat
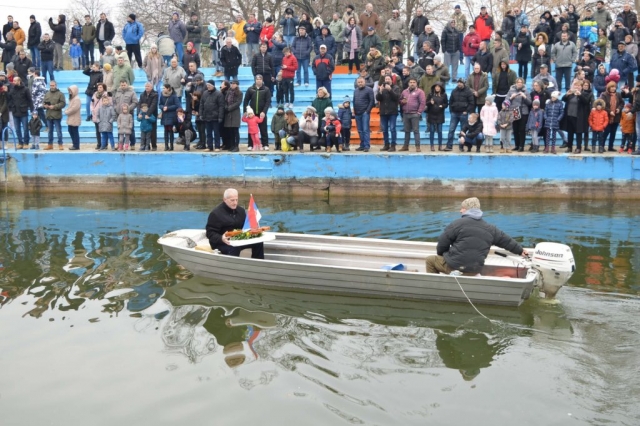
x=208, y=249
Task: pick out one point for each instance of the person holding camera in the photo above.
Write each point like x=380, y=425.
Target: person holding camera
x=308, y=129
x=289, y=24
x=389, y=98
x=332, y=129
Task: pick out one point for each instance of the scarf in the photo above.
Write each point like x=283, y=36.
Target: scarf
x=354, y=43
x=613, y=101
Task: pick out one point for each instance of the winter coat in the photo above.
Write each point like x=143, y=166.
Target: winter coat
x=369, y=20
x=323, y=67
x=564, y=55
x=73, y=111
x=470, y=44
x=489, y=117
x=106, y=117
x=252, y=123
x=172, y=103
x=436, y=111
x=21, y=66
x=485, y=59
x=38, y=90
x=602, y=17
x=173, y=77
x=231, y=59
x=370, y=41
x=76, y=32
x=266, y=35
x=212, y=105
x=511, y=79
x=508, y=28
x=466, y=242
x=252, y=31
x=427, y=82
x=417, y=25
x=75, y=50
x=55, y=98
x=194, y=31
x=35, y=32
x=619, y=104
x=499, y=55
x=395, y=29
x=8, y=51
x=19, y=100
x=109, y=31
x=95, y=77
x=292, y=65
x=320, y=104
x=96, y=104
x=482, y=87
x=289, y=26
x=177, y=30
x=523, y=53
x=484, y=26
x=389, y=100
x=88, y=33
x=125, y=124
x=462, y=100
x=258, y=98
x=347, y=39
x=443, y=73
x=278, y=122
x=573, y=20
x=622, y=62
x=306, y=25
x=617, y=35
x=629, y=20
x=628, y=124
x=328, y=40
x=262, y=64
x=524, y=103
x=520, y=21
x=450, y=40
x=151, y=99
x=538, y=60
x=553, y=113
x=598, y=120
x=542, y=97
x=126, y=96
x=190, y=56
x=301, y=47
x=132, y=32
x=472, y=130
x=233, y=100
x=363, y=100
x=146, y=124
x=433, y=40
x=345, y=115
x=337, y=29
x=599, y=83
x=238, y=29
x=535, y=122
x=35, y=126
x=59, y=30
x=505, y=116
x=123, y=72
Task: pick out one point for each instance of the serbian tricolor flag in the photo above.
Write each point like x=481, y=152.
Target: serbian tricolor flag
x=252, y=221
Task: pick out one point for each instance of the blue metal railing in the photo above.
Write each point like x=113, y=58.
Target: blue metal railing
x=3, y=160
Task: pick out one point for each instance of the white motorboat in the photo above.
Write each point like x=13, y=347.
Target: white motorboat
x=375, y=267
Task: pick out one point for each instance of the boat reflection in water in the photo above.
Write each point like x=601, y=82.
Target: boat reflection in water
x=373, y=334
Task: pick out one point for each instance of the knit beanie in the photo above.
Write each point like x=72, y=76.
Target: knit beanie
x=471, y=203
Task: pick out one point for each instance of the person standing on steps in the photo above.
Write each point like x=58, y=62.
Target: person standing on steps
x=413, y=102
x=104, y=32
x=54, y=102
x=461, y=104
x=132, y=33
x=363, y=103
x=34, y=33
x=59, y=35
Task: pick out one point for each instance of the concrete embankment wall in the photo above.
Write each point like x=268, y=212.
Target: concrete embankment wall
x=611, y=176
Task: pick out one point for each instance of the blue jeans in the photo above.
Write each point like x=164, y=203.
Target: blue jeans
x=467, y=66
x=87, y=105
x=20, y=123
x=107, y=137
x=75, y=135
x=167, y=60
x=566, y=73
x=47, y=67
x=303, y=65
x=51, y=123
x=88, y=53
x=179, y=51
x=388, y=124
x=289, y=39
x=461, y=35
x=213, y=134
x=456, y=117
x=362, y=121
x=415, y=48
x=35, y=56
x=435, y=128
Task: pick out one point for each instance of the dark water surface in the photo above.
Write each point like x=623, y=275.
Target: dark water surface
x=167, y=348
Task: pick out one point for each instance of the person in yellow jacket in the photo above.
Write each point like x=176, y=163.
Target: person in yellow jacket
x=241, y=37
x=18, y=34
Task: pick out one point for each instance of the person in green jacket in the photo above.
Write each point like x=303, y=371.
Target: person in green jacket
x=278, y=123
x=54, y=102
x=321, y=102
x=88, y=38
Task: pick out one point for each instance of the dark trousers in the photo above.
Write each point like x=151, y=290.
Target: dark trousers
x=75, y=135
x=566, y=73
x=287, y=89
x=610, y=132
x=356, y=61
x=346, y=136
x=523, y=69
x=264, y=132
x=323, y=83
x=134, y=49
x=572, y=125
x=213, y=134
x=257, y=250
x=87, y=52
x=519, y=131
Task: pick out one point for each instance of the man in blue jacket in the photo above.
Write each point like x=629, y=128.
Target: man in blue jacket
x=624, y=63
x=301, y=49
x=132, y=33
x=363, y=102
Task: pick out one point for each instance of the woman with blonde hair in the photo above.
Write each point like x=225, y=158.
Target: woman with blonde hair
x=153, y=66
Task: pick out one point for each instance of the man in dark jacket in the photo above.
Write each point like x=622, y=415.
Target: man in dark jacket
x=212, y=113
x=104, y=32
x=461, y=104
x=6, y=28
x=262, y=64
x=230, y=59
x=389, y=98
x=323, y=67
x=150, y=97
x=194, y=30
x=629, y=18
x=618, y=33
x=88, y=39
x=22, y=65
x=417, y=27
x=363, y=102
x=301, y=49
x=47, y=49
x=258, y=97
x=465, y=243
x=59, y=35
x=484, y=58
x=431, y=37
x=228, y=216
x=451, y=48
x=35, y=32
x=20, y=104
x=327, y=39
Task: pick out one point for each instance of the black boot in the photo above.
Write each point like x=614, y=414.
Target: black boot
x=385, y=148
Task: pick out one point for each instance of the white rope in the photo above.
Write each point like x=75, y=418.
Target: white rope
x=471, y=303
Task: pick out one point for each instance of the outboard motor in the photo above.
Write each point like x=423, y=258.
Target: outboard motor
x=555, y=264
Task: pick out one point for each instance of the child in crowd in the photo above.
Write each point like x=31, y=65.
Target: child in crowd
x=345, y=115
x=201, y=126
x=599, y=80
x=471, y=134
x=146, y=127
x=106, y=117
x=254, y=131
x=628, y=128
x=505, y=122
x=280, y=89
x=75, y=52
x=125, y=125
x=598, y=121
x=278, y=123
x=35, y=125
x=332, y=129
x=184, y=129
x=535, y=123
x=553, y=112
x=489, y=117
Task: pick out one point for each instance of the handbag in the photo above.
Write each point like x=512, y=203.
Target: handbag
x=284, y=145
x=517, y=114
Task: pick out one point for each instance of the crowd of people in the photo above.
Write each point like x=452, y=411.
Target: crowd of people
x=587, y=99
